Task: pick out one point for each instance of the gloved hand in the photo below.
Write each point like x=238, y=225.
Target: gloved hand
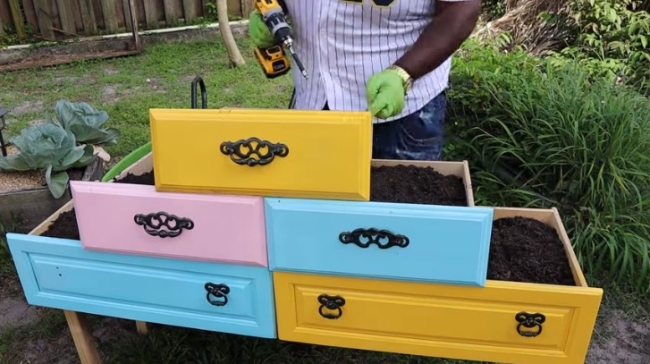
x=259, y=32
x=385, y=94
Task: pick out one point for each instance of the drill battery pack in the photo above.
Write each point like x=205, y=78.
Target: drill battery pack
x=273, y=60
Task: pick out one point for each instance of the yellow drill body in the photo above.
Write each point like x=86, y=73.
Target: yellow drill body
x=273, y=59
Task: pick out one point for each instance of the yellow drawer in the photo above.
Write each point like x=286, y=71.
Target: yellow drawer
x=470, y=323
x=308, y=154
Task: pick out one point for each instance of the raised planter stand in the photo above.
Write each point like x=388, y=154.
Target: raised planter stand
x=505, y=321
x=31, y=206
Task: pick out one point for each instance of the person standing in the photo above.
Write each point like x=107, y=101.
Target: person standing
x=390, y=57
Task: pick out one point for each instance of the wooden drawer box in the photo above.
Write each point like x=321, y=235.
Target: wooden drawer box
x=443, y=244
x=285, y=153
x=471, y=323
x=135, y=219
x=59, y=273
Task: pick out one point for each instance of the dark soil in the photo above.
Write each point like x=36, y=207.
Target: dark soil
x=527, y=250
x=411, y=184
x=521, y=249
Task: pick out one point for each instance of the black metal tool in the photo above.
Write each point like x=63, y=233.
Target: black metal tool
x=154, y=223
x=204, y=94
x=331, y=303
x=529, y=321
x=3, y=124
x=219, y=292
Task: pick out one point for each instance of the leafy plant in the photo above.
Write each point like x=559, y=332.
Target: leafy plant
x=85, y=122
x=613, y=41
x=50, y=148
x=581, y=145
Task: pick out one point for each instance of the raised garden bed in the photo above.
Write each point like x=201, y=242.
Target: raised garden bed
x=26, y=201
x=534, y=280
x=541, y=259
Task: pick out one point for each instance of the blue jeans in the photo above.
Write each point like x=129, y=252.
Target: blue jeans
x=418, y=136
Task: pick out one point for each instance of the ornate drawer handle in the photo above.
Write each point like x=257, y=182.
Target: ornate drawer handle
x=384, y=239
x=219, y=291
x=530, y=321
x=331, y=303
x=243, y=151
x=153, y=222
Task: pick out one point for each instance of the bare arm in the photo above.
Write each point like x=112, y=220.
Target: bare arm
x=451, y=25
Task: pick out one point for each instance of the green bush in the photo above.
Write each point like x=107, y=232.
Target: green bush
x=542, y=136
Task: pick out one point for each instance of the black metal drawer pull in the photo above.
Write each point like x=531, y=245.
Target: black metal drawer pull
x=384, y=239
x=243, y=151
x=174, y=225
x=219, y=292
x=331, y=303
x=530, y=321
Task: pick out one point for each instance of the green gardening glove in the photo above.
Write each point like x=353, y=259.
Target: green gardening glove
x=259, y=32
x=385, y=94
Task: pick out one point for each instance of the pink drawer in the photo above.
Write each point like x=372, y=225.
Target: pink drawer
x=135, y=219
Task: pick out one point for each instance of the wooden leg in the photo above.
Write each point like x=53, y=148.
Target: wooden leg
x=142, y=327
x=83, y=338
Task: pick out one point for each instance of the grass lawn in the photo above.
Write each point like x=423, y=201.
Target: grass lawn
x=160, y=78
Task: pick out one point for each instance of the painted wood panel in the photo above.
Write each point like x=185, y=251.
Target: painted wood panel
x=444, y=244
x=59, y=273
x=263, y=152
x=136, y=219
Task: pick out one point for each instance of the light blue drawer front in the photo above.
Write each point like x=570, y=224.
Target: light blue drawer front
x=446, y=244
x=58, y=273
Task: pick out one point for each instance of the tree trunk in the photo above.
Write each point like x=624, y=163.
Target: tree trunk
x=235, y=56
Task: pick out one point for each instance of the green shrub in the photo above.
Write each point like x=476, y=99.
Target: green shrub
x=556, y=137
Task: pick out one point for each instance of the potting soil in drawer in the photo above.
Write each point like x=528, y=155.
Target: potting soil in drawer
x=284, y=153
x=503, y=322
x=135, y=219
x=444, y=244
x=59, y=273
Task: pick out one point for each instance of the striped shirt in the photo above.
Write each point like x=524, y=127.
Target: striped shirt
x=342, y=43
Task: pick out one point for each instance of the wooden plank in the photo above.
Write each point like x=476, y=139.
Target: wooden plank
x=78, y=23
x=43, y=14
x=17, y=16
x=127, y=16
x=246, y=8
x=99, y=15
x=5, y=14
x=82, y=337
x=134, y=25
x=67, y=17
x=88, y=16
x=30, y=15
x=234, y=8
x=173, y=11
x=189, y=11
x=151, y=14
x=109, y=8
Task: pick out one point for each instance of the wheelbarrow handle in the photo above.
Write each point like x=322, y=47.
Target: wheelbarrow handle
x=204, y=94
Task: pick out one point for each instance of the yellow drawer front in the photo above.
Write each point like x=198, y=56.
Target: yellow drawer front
x=316, y=154
x=470, y=323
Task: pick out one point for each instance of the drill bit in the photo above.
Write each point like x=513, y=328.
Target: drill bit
x=289, y=44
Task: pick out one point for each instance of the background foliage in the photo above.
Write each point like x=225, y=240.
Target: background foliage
x=563, y=123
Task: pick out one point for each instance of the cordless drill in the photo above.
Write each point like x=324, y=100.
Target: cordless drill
x=273, y=59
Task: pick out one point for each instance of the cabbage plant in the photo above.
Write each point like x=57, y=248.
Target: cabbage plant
x=85, y=122
x=50, y=148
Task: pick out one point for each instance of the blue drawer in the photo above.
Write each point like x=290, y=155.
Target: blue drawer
x=58, y=273
x=442, y=244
